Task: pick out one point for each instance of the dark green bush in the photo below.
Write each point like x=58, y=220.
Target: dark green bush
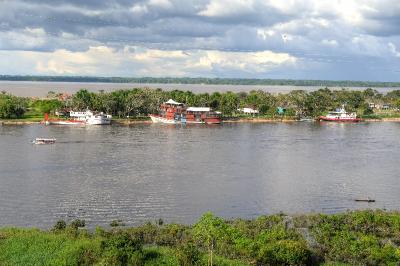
x=188, y=254
x=122, y=248
x=284, y=252
x=116, y=223
x=78, y=223
x=60, y=225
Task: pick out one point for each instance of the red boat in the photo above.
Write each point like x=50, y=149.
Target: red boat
x=340, y=115
x=172, y=112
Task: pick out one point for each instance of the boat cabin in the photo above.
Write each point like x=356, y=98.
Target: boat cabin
x=175, y=112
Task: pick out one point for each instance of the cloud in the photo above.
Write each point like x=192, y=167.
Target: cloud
x=330, y=42
x=223, y=8
x=318, y=36
x=160, y=3
x=393, y=49
x=137, y=61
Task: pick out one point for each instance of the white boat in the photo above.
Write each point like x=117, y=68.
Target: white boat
x=40, y=141
x=90, y=118
x=340, y=115
x=65, y=122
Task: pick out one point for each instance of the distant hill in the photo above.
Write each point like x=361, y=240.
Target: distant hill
x=216, y=81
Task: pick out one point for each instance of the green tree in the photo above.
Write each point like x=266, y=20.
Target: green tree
x=83, y=99
x=229, y=103
x=12, y=106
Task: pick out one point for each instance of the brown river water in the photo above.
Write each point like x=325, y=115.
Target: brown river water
x=145, y=172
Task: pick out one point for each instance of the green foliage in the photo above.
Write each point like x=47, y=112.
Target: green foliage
x=229, y=103
x=116, y=223
x=47, y=106
x=353, y=238
x=60, y=225
x=188, y=254
x=122, y=248
x=83, y=99
x=77, y=223
x=365, y=237
x=140, y=102
x=170, y=235
x=33, y=247
x=397, y=104
x=12, y=106
x=284, y=252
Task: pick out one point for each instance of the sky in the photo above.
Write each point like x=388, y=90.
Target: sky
x=290, y=39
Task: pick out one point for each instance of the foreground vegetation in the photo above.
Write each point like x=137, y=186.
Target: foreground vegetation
x=353, y=238
x=140, y=102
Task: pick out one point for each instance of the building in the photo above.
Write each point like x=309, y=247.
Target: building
x=247, y=110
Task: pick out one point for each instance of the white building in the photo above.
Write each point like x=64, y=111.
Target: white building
x=248, y=110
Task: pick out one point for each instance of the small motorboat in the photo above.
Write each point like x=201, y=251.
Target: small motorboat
x=40, y=141
x=365, y=199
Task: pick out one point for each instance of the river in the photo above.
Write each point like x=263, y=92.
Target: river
x=145, y=172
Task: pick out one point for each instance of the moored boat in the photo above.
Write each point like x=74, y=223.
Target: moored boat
x=340, y=115
x=81, y=118
x=172, y=112
x=91, y=118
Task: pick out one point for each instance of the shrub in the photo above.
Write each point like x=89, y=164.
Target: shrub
x=78, y=223
x=121, y=248
x=188, y=254
x=116, y=223
x=60, y=225
x=284, y=252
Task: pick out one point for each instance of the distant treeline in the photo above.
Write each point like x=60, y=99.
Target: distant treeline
x=144, y=101
x=209, y=81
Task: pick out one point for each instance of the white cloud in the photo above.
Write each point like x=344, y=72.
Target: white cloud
x=222, y=8
x=247, y=62
x=136, y=61
x=265, y=33
x=393, y=49
x=139, y=9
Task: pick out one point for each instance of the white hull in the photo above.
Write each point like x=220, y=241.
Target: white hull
x=66, y=123
x=158, y=119
x=98, y=121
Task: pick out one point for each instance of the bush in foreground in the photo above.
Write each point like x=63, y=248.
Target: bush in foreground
x=353, y=238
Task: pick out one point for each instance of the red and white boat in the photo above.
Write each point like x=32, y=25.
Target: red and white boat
x=172, y=112
x=340, y=115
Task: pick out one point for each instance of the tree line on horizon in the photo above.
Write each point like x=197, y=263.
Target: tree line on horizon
x=143, y=101
x=204, y=80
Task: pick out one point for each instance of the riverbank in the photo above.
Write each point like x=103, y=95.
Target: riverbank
x=360, y=237
x=127, y=122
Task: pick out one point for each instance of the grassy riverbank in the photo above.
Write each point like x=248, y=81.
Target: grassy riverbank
x=354, y=238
